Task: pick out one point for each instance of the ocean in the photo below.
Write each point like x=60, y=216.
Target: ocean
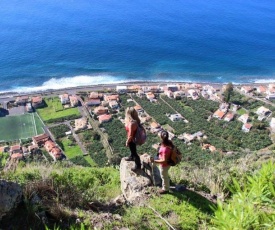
x=49, y=44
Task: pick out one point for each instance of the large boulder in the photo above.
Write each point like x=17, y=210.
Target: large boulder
x=10, y=196
x=136, y=186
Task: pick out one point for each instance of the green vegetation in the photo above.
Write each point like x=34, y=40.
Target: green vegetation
x=54, y=111
x=59, y=130
x=70, y=147
x=20, y=127
x=252, y=203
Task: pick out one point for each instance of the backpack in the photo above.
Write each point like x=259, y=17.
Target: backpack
x=175, y=157
x=140, y=136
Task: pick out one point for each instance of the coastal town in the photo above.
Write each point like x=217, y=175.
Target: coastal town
x=86, y=126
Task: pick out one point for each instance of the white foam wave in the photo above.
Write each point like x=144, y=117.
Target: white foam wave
x=265, y=81
x=69, y=82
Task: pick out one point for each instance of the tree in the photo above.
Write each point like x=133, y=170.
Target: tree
x=228, y=91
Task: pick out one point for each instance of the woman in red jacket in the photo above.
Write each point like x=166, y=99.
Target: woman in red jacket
x=131, y=124
x=164, y=155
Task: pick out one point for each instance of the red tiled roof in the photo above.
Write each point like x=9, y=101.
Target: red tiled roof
x=219, y=113
x=104, y=117
x=37, y=99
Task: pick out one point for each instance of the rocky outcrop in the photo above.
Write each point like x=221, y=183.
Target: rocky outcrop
x=136, y=186
x=10, y=197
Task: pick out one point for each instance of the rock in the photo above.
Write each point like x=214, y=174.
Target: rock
x=134, y=186
x=153, y=174
x=180, y=188
x=10, y=196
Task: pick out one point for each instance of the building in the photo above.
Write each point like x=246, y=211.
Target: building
x=150, y=96
x=134, y=88
x=104, y=118
x=29, y=107
x=64, y=99
x=73, y=100
x=94, y=95
x=40, y=139
x=193, y=94
x=155, y=127
x=272, y=124
x=246, y=89
x=113, y=97
x=169, y=93
x=100, y=110
x=21, y=100
x=246, y=127
x=93, y=102
x=178, y=95
x=219, y=114
x=175, y=117
x=261, y=89
x=243, y=118
x=37, y=102
x=141, y=93
x=263, y=111
x=229, y=117
x=80, y=123
x=113, y=104
x=139, y=109
x=15, y=149
x=121, y=89
x=172, y=88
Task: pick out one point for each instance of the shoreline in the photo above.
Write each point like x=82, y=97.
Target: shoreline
x=113, y=85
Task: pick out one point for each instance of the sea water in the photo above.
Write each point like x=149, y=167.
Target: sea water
x=49, y=44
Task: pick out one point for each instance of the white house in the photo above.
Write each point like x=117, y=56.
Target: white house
x=175, y=117
x=262, y=111
x=272, y=124
x=243, y=118
x=246, y=127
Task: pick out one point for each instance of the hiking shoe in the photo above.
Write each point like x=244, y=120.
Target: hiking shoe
x=128, y=159
x=136, y=169
x=163, y=191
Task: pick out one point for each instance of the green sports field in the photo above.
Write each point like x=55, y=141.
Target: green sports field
x=20, y=127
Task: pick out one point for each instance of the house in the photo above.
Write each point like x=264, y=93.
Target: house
x=141, y=94
x=121, y=89
x=219, y=114
x=40, y=139
x=64, y=99
x=178, y=95
x=262, y=111
x=73, y=100
x=272, y=124
x=246, y=89
x=261, y=89
x=113, y=104
x=29, y=107
x=37, y=102
x=100, y=110
x=95, y=95
x=139, y=109
x=21, y=100
x=193, y=94
x=49, y=145
x=175, y=117
x=172, y=88
x=32, y=147
x=229, y=117
x=224, y=107
x=155, y=127
x=154, y=88
x=134, y=88
x=113, y=97
x=104, y=118
x=187, y=137
x=209, y=89
x=18, y=156
x=205, y=95
x=243, y=118
x=246, y=127
x=169, y=93
x=150, y=96
x=56, y=153
x=80, y=123
x=93, y=102
x=15, y=149
x=210, y=147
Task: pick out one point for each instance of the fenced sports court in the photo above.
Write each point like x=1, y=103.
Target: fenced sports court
x=20, y=127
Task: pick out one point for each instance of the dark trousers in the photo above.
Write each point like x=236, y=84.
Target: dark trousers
x=134, y=155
